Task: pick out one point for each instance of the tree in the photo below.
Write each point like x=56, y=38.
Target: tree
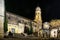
x=55, y=23
x=31, y=29
x=5, y=24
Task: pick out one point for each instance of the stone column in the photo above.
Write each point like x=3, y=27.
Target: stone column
x=2, y=18
x=1, y=27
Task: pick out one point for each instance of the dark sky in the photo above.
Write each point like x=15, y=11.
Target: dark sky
x=50, y=8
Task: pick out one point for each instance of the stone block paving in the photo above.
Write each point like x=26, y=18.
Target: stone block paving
x=29, y=38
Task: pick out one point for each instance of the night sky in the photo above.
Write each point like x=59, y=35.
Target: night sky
x=26, y=8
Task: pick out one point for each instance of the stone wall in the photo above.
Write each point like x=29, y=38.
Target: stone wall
x=2, y=18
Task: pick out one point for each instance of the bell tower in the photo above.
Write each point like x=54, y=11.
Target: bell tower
x=38, y=18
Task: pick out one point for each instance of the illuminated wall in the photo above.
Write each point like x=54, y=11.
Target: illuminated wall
x=17, y=23
x=1, y=17
x=16, y=28
x=53, y=33
x=10, y=26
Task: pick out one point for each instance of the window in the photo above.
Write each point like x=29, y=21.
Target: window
x=22, y=21
x=9, y=18
x=13, y=30
x=19, y=21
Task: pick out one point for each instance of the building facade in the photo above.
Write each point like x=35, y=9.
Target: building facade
x=16, y=24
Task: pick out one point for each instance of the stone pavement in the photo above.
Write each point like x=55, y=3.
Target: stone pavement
x=29, y=38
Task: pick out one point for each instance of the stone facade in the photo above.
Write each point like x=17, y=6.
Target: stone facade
x=2, y=18
x=15, y=21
